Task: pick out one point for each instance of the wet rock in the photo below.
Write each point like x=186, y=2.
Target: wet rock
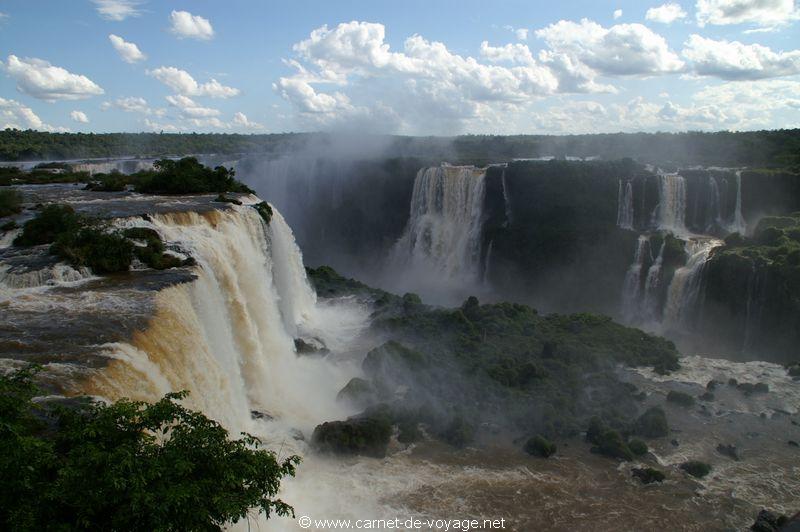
x=652, y=424
x=712, y=385
x=540, y=446
x=732, y=382
x=794, y=371
x=696, y=468
x=674, y=443
x=749, y=388
x=729, y=450
x=768, y=521
x=708, y=396
x=367, y=434
x=793, y=443
x=358, y=392
x=310, y=346
x=261, y=415
x=680, y=398
x=647, y=475
x=297, y=434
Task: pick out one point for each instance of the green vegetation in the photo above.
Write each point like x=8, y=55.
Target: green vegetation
x=40, y=176
x=367, y=434
x=540, y=446
x=264, y=210
x=680, y=398
x=499, y=365
x=85, y=241
x=696, y=468
x=10, y=202
x=724, y=148
x=637, y=447
x=652, y=424
x=127, y=466
x=186, y=176
x=763, y=269
x=648, y=475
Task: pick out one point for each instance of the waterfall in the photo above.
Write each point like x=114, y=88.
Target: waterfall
x=228, y=336
x=738, y=224
x=714, y=209
x=684, y=290
x=672, y=203
x=754, y=306
x=506, y=197
x=650, y=302
x=441, y=244
x=632, y=287
x=625, y=205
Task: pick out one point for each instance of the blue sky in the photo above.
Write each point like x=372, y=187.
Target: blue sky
x=412, y=67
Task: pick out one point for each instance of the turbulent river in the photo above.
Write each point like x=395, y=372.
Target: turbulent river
x=225, y=330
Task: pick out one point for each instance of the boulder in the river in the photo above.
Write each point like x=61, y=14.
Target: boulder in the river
x=310, y=346
x=794, y=371
x=540, y=446
x=637, y=447
x=696, y=468
x=680, y=398
x=647, y=475
x=610, y=443
x=367, y=434
x=712, y=385
x=652, y=424
x=358, y=392
x=793, y=443
x=707, y=396
x=728, y=450
x=768, y=521
x=732, y=382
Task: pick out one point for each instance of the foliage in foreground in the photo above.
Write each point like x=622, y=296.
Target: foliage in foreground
x=186, y=176
x=127, y=466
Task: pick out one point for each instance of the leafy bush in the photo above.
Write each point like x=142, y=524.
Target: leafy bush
x=101, y=251
x=10, y=202
x=637, y=447
x=187, y=176
x=652, y=424
x=680, y=398
x=48, y=224
x=696, y=468
x=648, y=475
x=610, y=443
x=540, y=446
x=127, y=466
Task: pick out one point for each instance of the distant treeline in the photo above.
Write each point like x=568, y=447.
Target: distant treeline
x=751, y=148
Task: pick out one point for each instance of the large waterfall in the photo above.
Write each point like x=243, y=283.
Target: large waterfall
x=228, y=337
x=441, y=245
x=684, y=291
x=672, y=203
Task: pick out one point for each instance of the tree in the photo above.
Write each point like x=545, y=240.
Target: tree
x=127, y=466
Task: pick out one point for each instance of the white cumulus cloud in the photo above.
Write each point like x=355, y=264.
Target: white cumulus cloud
x=44, y=81
x=737, y=61
x=186, y=25
x=128, y=51
x=79, y=116
x=763, y=13
x=623, y=49
x=666, y=13
x=15, y=115
x=189, y=109
x=117, y=9
x=240, y=120
x=617, y=14
x=183, y=83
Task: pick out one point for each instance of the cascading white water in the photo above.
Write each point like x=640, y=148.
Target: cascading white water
x=228, y=337
x=625, y=205
x=650, y=301
x=632, y=287
x=738, y=224
x=714, y=209
x=440, y=250
x=684, y=290
x=506, y=198
x=672, y=203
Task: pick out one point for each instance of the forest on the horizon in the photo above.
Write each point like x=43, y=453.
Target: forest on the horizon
x=770, y=148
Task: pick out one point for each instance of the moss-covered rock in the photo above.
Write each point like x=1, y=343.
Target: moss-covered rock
x=358, y=392
x=696, y=468
x=367, y=435
x=264, y=210
x=637, y=447
x=540, y=446
x=648, y=475
x=652, y=424
x=680, y=398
